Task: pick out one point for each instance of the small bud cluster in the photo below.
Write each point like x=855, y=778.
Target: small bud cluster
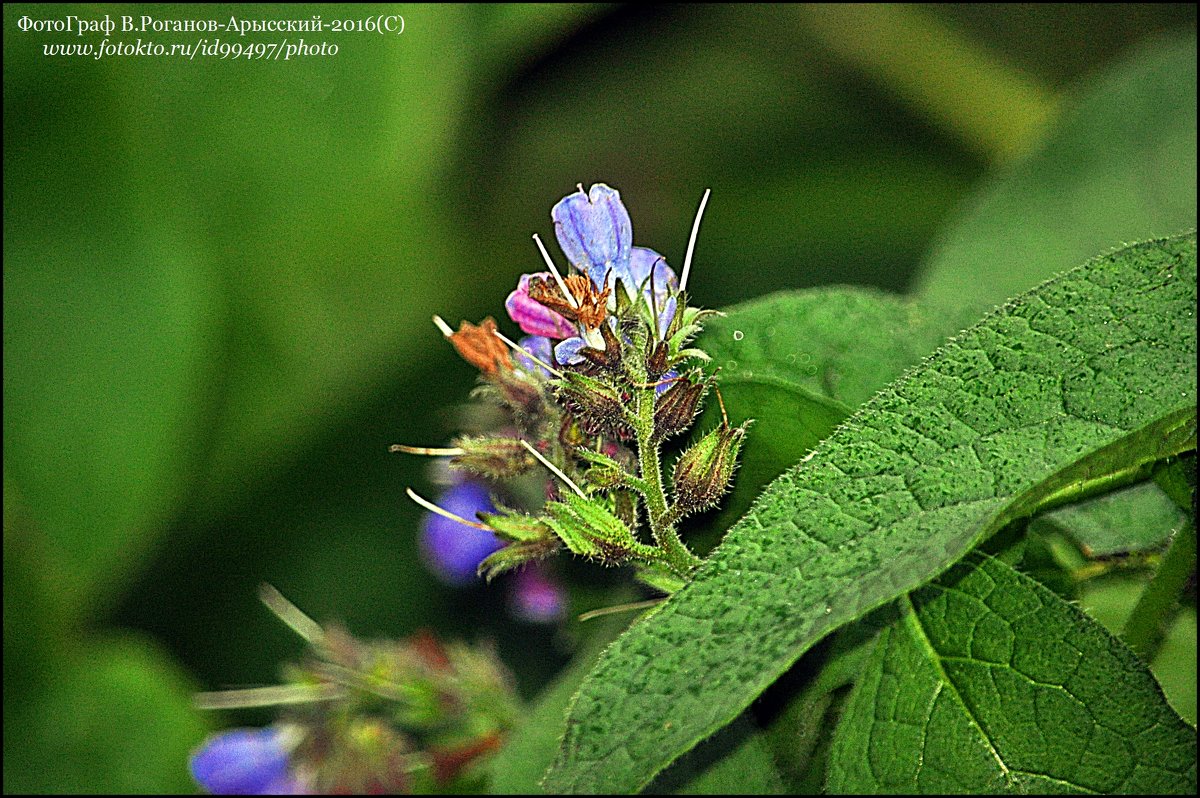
x=413, y=716
x=603, y=377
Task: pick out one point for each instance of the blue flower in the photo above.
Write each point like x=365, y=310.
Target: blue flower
x=596, y=235
x=594, y=232
x=537, y=346
x=452, y=550
x=246, y=762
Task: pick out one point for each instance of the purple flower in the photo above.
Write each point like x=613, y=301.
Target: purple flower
x=596, y=235
x=534, y=317
x=537, y=346
x=246, y=762
x=452, y=550
x=535, y=597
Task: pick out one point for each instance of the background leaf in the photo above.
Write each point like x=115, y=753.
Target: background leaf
x=1087, y=377
x=1131, y=519
x=735, y=761
x=121, y=681
x=519, y=766
x=1120, y=166
x=991, y=683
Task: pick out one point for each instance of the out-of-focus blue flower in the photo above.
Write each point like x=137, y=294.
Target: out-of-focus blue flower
x=246, y=762
x=537, y=346
x=536, y=597
x=453, y=550
x=534, y=317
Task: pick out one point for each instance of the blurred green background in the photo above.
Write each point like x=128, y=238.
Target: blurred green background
x=219, y=277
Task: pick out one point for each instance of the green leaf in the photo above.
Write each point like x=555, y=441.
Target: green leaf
x=736, y=761
x=1175, y=664
x=1120, y=166
x=991, y=683
x=798, y=362
x=841, y=343
x=118, y=718
x=1071, y=388
x=1111, y=599
x=1131, y=519
x=520, y=765
x=799, y=736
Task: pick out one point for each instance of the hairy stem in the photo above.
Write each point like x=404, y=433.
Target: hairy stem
x=662, y=526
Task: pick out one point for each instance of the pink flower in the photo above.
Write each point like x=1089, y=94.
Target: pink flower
x=534, y=317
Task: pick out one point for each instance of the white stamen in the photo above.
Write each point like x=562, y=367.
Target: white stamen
x=518, y=348
x=554, y=270
x=432, y=452
x=553, y=468
x=291, y=615
x=636, y=605
x=443, y=326
x=687, y=259
x=268, y=696
x=433, y=508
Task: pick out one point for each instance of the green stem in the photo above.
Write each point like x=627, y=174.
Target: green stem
x=1144, y=630
x=678, y=556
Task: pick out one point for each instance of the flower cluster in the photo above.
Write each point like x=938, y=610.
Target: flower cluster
x=604, y=375
x=573, y=460
x=413, y=716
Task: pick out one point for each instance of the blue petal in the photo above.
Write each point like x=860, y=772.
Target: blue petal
x=453, y=550
x=641, y=261
x=537, y=346
x=568, y=351
x=666, y=312
x=241, y=762
x=594, y=232
x=663, y=386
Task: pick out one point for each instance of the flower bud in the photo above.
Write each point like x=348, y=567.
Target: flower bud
x=521, y=393
x=590, y=529
x=656, y=359
x=677, y=407
x=608, y=358
x=605, y=472
x=598, y=408
x=516, y=527
x=514, y=555
x=492, y=458
x=247, y=762
x=703, y=472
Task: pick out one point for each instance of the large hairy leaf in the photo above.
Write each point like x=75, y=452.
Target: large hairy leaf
x=799, y=362
x=991, y=683
x=1070, y=389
